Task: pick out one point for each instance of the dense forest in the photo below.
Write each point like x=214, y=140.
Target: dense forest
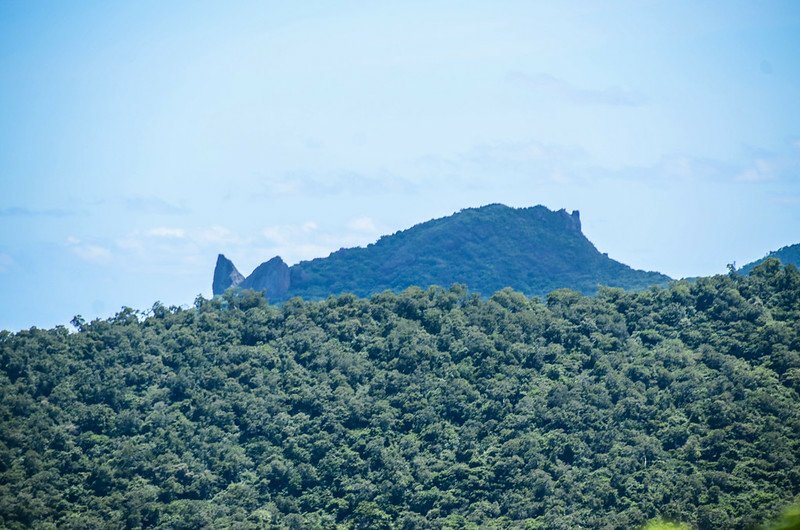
x=428, y=409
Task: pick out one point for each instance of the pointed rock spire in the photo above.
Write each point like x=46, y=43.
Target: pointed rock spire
x=225, y=275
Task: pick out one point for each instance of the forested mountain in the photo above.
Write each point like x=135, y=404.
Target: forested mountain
x=426, y=409
x=788, y=255
x=533, y=250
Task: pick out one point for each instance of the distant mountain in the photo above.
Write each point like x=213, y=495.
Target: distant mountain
x=789, y=255
x=225, y=275
x=533, y=250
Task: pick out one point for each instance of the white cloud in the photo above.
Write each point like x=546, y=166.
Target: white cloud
x=363, y=224
x=553, y=86
x=188, y=249
x=177, y=245
x=278, y=234
x=777, y=165
x=315, y=184
x=299, y=242
x=91, y=253
x=19, y=211
x=509, y=162
x=153, y=205
x=760, y=170
x=163, y=231
x=219, y=235
x=300, y=252
x=288, y=234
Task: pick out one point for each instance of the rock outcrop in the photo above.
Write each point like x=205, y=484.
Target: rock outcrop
x=225, y=275
x=272, y=278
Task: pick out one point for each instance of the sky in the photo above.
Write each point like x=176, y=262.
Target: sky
x=140, y=139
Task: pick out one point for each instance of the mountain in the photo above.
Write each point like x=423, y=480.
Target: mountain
x=788, y=255
x=533, y=250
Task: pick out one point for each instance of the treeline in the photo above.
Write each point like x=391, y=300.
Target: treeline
x=422, y=410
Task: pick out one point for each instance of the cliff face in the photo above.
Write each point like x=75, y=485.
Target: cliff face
x=533, y=250
x=271, y=278
x=225, y=275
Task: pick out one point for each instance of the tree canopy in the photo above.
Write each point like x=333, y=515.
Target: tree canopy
x=426, y=409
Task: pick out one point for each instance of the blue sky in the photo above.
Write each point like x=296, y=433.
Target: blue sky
x=140, y=139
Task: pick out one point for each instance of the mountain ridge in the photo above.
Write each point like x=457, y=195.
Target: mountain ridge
x=534, y=250
x=788, y=255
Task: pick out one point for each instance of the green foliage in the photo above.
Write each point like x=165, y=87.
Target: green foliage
x=660, y=524
x=422, y=410
x=788, y=255
x=788, y=520
x=534, y=250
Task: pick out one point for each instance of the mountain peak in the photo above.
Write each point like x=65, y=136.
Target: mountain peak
x=271, y=277
x=225, y=275
x=533, y=250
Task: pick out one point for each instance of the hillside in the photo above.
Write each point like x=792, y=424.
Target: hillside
x=428, y=409
x=533, y=250
x=788, y=255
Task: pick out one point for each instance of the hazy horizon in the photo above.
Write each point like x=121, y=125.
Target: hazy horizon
x=141, y=140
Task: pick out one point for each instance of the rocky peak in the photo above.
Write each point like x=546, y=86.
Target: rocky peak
x=225, y=275
x=576, y=218
x=272, y=278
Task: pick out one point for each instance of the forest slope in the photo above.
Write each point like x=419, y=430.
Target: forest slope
x=426, y=409
x=788, y=255
x=533, y=250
